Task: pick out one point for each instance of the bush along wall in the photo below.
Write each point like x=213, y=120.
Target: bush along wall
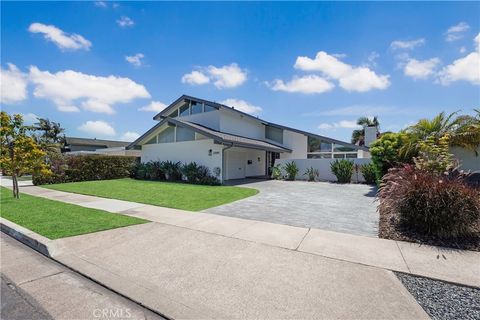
x=65, y=168
x=175, y=171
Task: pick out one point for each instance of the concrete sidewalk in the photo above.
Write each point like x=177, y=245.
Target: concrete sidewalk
x=458, y=266
x=35, y=287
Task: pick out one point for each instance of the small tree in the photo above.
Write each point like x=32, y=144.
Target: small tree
x=19, y=153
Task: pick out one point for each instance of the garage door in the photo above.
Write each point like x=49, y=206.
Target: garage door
x=236, y=165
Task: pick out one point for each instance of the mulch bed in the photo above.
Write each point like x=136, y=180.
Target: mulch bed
x=389, y=229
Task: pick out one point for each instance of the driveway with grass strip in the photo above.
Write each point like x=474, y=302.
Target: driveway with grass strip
x=165, y=194
x=54, y=219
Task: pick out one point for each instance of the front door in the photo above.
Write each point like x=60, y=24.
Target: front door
x=235, y=164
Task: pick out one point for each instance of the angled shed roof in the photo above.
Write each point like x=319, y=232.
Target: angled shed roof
x=161, y=115
x=217, y=136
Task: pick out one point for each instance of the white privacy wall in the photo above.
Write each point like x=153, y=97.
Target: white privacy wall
x=296, y=142
x=185, y=151
x=467, y=158
x=323, y=167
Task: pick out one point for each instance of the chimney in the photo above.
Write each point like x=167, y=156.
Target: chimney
x=370, y=135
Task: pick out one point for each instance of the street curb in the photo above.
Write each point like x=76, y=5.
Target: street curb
x=26, y=236
x=45, y=246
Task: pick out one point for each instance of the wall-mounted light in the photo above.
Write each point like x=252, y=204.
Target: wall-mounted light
x=210, y=152
x=258, y=159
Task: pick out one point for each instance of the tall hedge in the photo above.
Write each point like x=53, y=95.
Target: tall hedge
x=69, y=168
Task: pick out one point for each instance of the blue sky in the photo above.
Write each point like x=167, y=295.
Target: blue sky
x=98, y=67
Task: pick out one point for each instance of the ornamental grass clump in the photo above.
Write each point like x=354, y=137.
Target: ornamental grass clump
x=291, y=169
x=369, y=173
x=429, y=203
x=343, y=170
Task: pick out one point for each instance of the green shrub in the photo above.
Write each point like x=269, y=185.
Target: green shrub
x=198, y=174
x=277, y=172
x=291, y=169
x=429, y=203
x=342, y=169
x=311, y=173
x=389, y=151
x=172, y=170
x=68, y=168
x=369, y=173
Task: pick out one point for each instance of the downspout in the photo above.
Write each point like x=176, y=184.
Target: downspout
x=223, y=160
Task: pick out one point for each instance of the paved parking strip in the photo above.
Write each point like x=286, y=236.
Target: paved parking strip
x=348, y=208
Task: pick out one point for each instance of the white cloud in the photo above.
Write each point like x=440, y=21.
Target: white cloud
x=129, y=136
x=97, y=106
x=462, y=50
x=372, y=59
x=228, y=76
x=466, y=68
x=30, y=118
x=60, y=38
x=13, y=85
x=360, y=79
x=154, y=106
x=242, y=105
x=421, y=69
x=136, y=59
x=456, y=32
x=101, y=4
x=195, y=78
x=307, y=84
x=342, y=124
x=97, y=128
x=125, y=21
x=407, y=44
x=95, y=93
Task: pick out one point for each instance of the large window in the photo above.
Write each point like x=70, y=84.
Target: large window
x=184, y=134
x=323, y=149
x=167, y=135
x=196, y=107
x=208, y=108
x=274, y=134
x=184, y=110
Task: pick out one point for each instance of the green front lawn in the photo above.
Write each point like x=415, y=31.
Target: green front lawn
x=53, y=219
x=164, y=194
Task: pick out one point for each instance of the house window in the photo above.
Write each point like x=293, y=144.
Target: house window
x=152, y=141
x=208, y=108
x=318, y=145
x=184, y=134
x=184, y=110
x=196, y=107
x=342, y=148
x=274, y=134
x=167, y=135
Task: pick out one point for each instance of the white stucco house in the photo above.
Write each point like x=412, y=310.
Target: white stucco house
x=232, y=143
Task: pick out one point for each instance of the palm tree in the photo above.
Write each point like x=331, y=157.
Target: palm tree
x=51, y=137
x=464, y=131
x=358, y=136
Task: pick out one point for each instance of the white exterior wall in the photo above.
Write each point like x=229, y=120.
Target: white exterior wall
x=323, y=166
x=467, y=158
x=236, y=163
x=296, y=142
x=241, y=125
x=185, y=151
x=209, y=119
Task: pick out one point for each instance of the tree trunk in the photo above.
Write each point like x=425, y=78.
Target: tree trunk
x=15, y=186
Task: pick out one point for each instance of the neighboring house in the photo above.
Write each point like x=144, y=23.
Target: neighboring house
x=98, y=146
x=230, y=142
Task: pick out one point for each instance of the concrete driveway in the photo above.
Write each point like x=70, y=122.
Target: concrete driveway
x=348, y=208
